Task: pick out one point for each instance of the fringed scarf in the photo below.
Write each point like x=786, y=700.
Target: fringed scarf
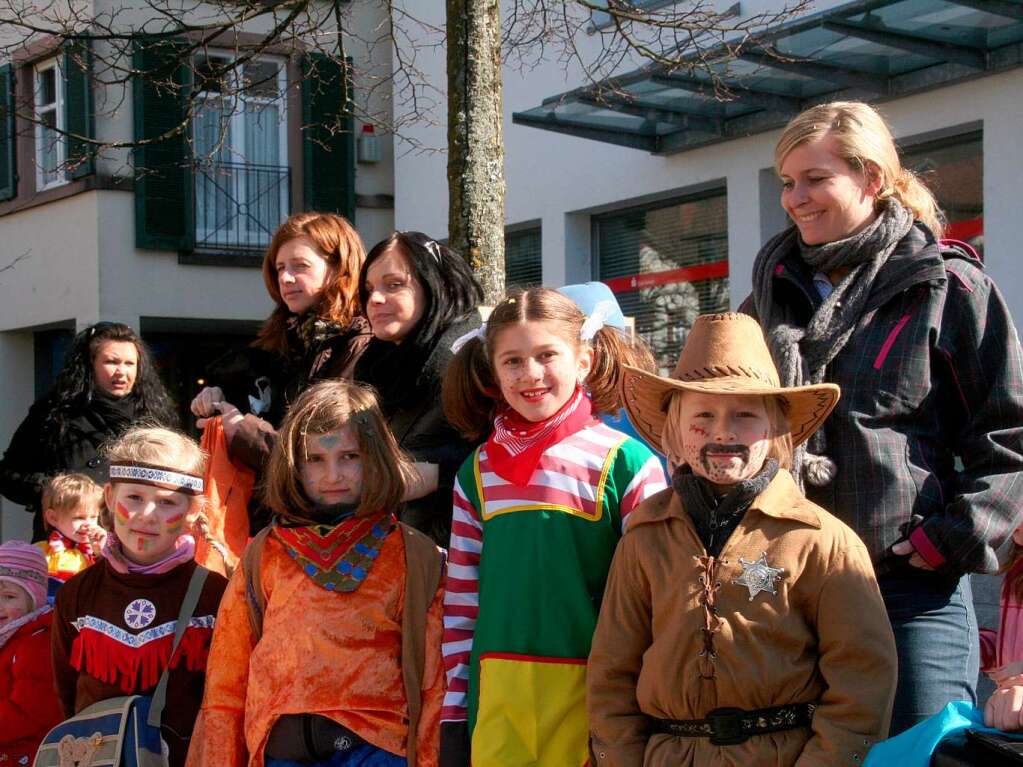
x=803, y=354
x=516, y=445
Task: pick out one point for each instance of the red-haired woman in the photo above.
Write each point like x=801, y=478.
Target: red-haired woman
x=315, y=332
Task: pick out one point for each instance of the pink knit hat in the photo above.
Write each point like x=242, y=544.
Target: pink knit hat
x=24, y=565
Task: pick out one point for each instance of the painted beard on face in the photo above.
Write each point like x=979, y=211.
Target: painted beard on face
x=732, y=451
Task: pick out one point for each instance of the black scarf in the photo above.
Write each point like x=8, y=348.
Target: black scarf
x=714, y=518
x=112, y=414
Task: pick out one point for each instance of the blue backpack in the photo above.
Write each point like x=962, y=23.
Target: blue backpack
x=124, y=731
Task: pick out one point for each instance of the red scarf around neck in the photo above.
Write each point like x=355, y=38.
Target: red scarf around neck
x=59, y=542
x=516, y=445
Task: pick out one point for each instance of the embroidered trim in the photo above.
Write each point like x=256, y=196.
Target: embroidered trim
x=155, y=475
x=337, y=558
x=136, y=641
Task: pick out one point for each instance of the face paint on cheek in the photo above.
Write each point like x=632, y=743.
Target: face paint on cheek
x=175, y=524
x=697, y=430
x=122, y=513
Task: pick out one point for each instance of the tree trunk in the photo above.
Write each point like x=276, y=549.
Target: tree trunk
x=476, y=140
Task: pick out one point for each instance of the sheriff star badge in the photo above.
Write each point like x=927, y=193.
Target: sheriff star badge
x=759, y=576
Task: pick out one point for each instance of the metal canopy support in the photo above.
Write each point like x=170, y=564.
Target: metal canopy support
x=817, y=69
x=935, y=49
x=745, y=94
x=586, y=130
x=683, y=119
x=1005, y=8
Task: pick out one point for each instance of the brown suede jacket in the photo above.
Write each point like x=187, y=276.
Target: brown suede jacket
x=678, y=637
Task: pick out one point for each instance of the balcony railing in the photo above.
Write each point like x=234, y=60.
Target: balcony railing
x=238, y=206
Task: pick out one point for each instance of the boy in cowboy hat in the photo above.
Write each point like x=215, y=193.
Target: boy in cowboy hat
x=742, y=624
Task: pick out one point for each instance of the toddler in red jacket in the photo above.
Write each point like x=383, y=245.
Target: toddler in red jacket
x=28, y=702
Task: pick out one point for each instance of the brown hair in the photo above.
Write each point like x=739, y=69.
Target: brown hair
x=66, y=492
x=780, y=443
x=865, y=143
x=470, y=392
x=340, y=246
x=326, y=407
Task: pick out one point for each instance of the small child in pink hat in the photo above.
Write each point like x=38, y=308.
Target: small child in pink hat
x=28, y=702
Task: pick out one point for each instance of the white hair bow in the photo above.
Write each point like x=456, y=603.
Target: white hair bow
x=465, y=338
x=597, y=319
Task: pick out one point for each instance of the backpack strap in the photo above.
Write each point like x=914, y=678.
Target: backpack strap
x=188, y=606
x=423, y=568
x=254, y=597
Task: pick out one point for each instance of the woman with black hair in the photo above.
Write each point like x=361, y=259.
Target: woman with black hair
x=419, y=297
x=108, y=384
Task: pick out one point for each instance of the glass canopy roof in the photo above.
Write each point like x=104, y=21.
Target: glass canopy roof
x=869, y=49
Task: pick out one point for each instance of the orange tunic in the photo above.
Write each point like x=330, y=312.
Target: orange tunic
x=333, y=654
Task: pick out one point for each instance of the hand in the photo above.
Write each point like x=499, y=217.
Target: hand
x=97, y=537
x=1003, y=708
x=230, y=419
x=905, y=547
x=203, y=404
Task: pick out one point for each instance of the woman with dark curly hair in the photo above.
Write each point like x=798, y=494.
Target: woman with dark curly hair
x=108, y=384
x=419, y=297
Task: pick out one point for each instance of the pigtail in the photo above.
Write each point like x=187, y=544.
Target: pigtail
x=612, y=349
x=201, y=526
x=469, y=393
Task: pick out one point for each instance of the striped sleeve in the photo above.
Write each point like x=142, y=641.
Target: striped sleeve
x=461, y=603
x=640, y=473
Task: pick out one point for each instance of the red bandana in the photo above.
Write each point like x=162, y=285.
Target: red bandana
x=516, y=445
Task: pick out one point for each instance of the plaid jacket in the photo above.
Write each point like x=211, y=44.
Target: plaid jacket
x=932, y=374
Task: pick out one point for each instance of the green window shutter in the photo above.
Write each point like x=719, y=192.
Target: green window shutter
x=328, y=137
x=8, y=161
x=164, y=193
x=522, y=259
x=79, y=115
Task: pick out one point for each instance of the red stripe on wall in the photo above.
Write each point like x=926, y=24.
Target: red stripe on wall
x=685, y=274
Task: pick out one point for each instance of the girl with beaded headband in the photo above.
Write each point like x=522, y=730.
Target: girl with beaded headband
x=336, y=604
x=115, y=621
x=549, y=494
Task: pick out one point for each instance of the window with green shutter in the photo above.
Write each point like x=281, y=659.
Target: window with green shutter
x=522, y=258
x=163, y=172
x=667, y=264
x=8, y=163
x=79, y=116
x=328, y=137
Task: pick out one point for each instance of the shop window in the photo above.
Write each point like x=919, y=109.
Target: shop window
x=953, y=169
x=667, y=264
x=522, y=262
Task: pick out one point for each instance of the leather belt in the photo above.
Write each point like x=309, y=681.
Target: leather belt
x=731, y=726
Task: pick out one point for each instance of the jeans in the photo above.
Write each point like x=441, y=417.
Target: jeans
x=936, y=638
x=361, y=756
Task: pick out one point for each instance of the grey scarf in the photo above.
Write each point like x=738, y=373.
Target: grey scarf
x=803, y=354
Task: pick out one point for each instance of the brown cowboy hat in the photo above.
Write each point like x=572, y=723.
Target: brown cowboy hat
x=724, y=354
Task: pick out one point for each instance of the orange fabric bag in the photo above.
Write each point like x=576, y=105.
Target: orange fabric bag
x=228, y=490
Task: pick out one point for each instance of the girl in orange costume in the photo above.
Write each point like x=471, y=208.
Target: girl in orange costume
x=322, y=615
